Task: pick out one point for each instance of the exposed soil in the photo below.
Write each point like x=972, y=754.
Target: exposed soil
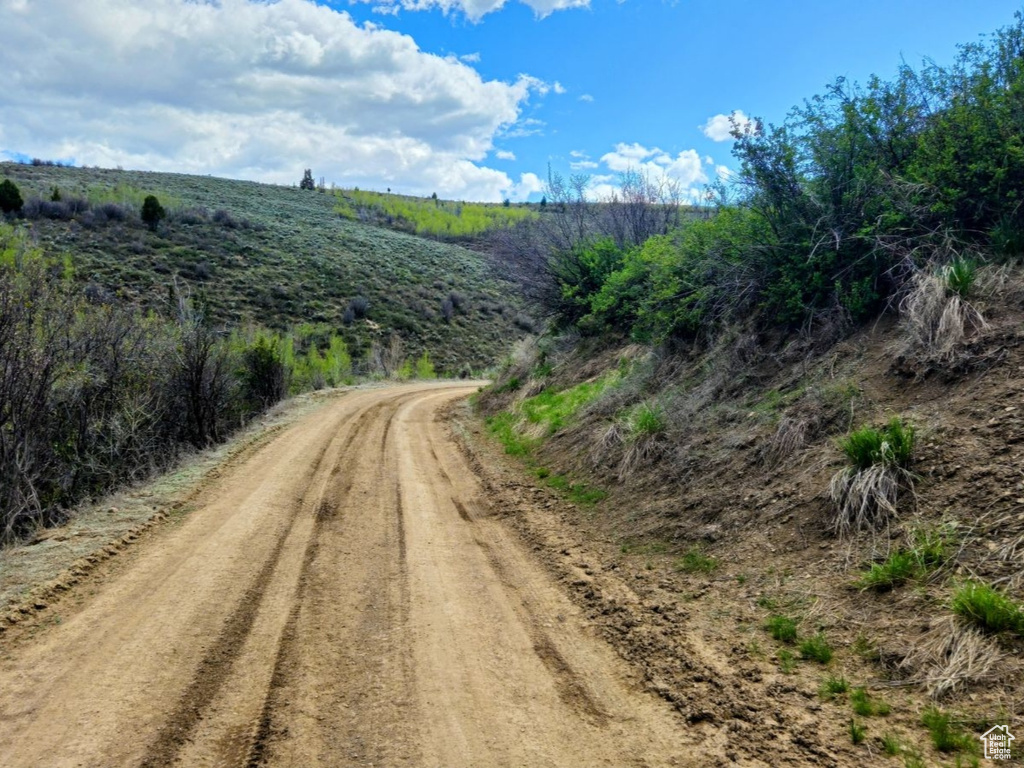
x=348, y=592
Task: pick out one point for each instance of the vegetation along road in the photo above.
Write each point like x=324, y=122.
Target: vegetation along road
x=342, y=595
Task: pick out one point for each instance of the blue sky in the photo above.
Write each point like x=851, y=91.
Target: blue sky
x=448, y=102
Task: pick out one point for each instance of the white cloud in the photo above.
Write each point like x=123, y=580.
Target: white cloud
x=719, y=127
x=473, y=9
x=249, y=89
x=685, y=170
x=586, y=97
x=723, y=172
x=471, y=58
x=503, y=154
x=583, y=165
x=559, y=88
x=528, y=183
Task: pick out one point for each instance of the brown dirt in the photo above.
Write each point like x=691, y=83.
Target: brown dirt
x=354, y=592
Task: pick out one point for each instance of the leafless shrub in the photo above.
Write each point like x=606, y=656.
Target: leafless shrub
x=936, y=321
x=950, y=657
x=866, y=499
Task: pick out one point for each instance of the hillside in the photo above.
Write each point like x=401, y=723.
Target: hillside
x=708, y=474
x=279, y=256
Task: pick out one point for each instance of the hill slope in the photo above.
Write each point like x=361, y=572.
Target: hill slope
x=715, y=467
x=275, y=255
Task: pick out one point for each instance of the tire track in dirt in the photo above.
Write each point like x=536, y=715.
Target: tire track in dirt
x=344, y=596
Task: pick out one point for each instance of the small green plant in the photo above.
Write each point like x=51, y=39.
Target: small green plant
x=865, y=706
x=959, y=276
x=817, y=649
x=891, y=744
x=511, y=385
x=899, y=568
x=832, y=686
x=945, y=734
x=695, y=561
x=892, y=445
x=787, y=661
x=782, y=628
x=988, y=608
x=648, y=420
x=913, y=760
x=502, y=426
x=857, y=732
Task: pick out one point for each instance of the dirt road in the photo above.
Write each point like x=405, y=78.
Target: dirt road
x=340, y=597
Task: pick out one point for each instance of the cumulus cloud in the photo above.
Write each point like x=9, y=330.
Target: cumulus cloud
x=473, y=9
x=586, y=97
x=719, y=127
x=528, y=184
x=685, y=170
x=504, y=154
x=250, y=89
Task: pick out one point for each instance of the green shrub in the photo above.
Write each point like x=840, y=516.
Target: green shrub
x=892, y=445
x=10, y=197
x=152, y=212
x=424, y=367
x=787, y=661
x=988, y=608
x=945, y=734
x=817, y=649
x=782, y=628
x=695, y=561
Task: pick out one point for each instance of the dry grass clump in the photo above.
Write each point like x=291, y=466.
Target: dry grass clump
x=866, y=492
x=950, y=657
x=789, y=437
x=936, y=316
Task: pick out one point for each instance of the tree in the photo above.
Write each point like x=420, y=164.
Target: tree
x=10, y=197
x=152, y=212
x=307, y=180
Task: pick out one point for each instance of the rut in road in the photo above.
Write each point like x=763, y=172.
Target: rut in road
x=340, y=597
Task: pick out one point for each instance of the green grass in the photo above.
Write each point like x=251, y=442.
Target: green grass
x=867, y=446
x=987, y=608
x=555, y=408
x=782, y=628
x=787, y=661
x=695, y=561
x=833, y=686
x=278, y=256
x=866, y=706
x=502, y=426
x=930, y=549
x=946, y=735
x=891, y=744
x=647, y=420
x=428, y=216
x=959, y=276
x=857, y=732
x=816, y=648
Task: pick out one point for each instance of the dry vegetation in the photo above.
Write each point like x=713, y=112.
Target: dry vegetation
x=736, y=465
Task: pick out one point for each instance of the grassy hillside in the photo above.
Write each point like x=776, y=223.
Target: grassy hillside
x=279, y=256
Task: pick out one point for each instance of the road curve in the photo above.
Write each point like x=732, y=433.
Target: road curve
x=340, y=597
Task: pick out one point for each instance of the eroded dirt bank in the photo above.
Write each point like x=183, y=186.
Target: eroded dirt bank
x=345, y=595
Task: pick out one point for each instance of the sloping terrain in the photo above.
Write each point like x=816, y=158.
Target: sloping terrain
x=278, y=256
x=723, y=513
